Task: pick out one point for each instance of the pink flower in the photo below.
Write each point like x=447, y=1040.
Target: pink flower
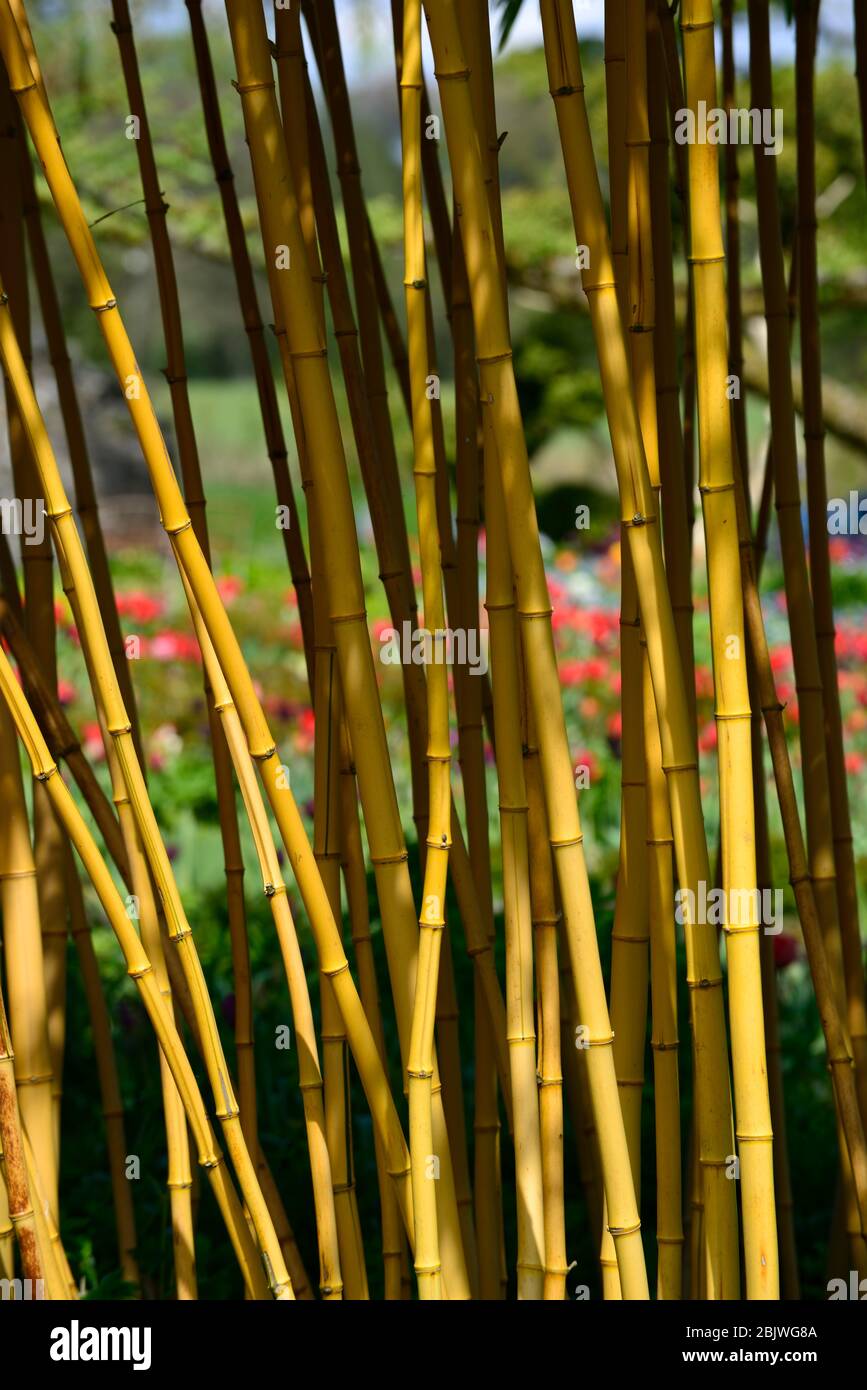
x=229, y=586
x=66, y=692
x=169, y=645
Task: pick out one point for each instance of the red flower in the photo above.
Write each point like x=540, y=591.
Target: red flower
x=781, y=658
x=704, y=682
x=785, y=950
x=140, y=606
x=708, y=737
x=66, y=692
x=855, y=762
x=92, y=745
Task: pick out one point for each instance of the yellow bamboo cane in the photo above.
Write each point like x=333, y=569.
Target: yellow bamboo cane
x=499, y=392
x=22, y=942
x=432, y=917
x=733, y=713
x=176, y=522
x=36, y=563
x=19, y=1204
x=327, y=696
x=281, y=229
x=139, y=968
x=679, y=760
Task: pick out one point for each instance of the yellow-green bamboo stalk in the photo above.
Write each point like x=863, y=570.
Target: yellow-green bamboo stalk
x=679, y=760
x=281, y=228
x=550, y=1076
x=179, y=1175
x=73, y=426
x=716, y=484
x=176, y=375
x=36, y=563
x=624, y=78
x=274, y=888
x=177, y=525
x=521, y=1032
x=23, y=953
x=59, y=1283
x=327, y=698
x=19, y=1204
x=71, y=552
x=139, y=968
x=831, y=1014
x=499, y=392
x=432, y=917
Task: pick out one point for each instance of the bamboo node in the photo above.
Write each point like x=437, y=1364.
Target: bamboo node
x=389, y=858
x=335, y=970
x=617, y=1231
x=565, y=844
x=493, y=359
x=242, y=88
x=605, y=1041
x=104, y=308
x=665, y=1046
x=754, y=1138
x=308, y=352
x=458, y=75
x=420, y=1073
x=705, y=260
x=704, y=983
x=707, y=488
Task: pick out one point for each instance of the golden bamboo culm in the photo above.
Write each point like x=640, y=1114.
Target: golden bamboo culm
x=434, y=878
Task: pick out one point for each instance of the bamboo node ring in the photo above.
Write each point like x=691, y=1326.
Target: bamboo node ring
x=104, y=308
x=389, y=858
x=459, y=75
x=617, y=1231
x=242, y=88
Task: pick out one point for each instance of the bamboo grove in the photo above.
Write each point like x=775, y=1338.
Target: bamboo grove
x=582, y=1028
